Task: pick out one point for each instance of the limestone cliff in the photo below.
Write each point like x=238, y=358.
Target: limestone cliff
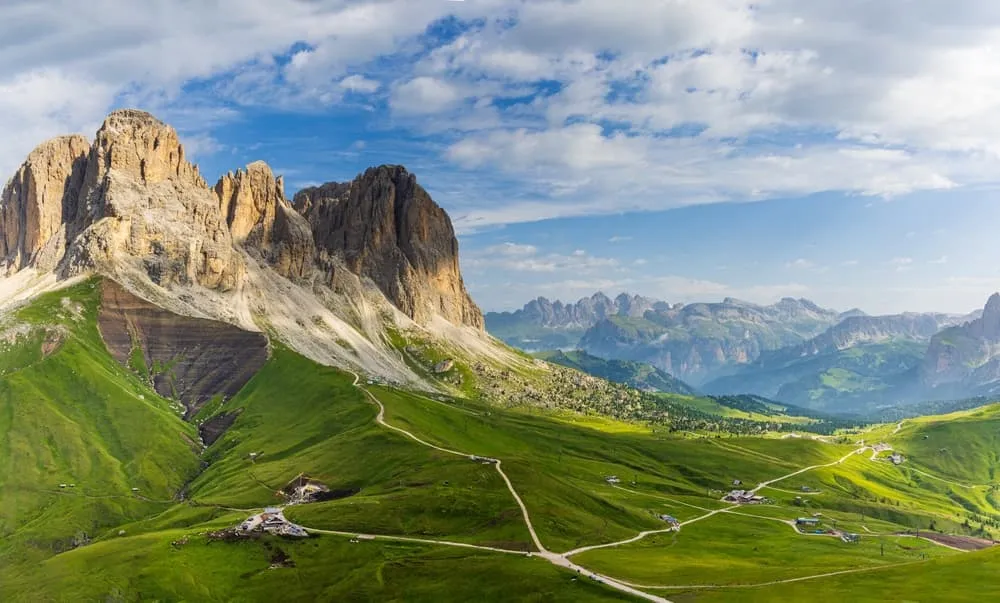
x=388, y=229
x=38, y=203
x=145, y=207
x=254, y=205
x=130, y=206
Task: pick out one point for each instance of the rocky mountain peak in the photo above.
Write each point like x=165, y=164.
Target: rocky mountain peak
x=131, y=206
x=252, y=201
x=136, y=144
x=991, y=317
x=387, y=228
x=39, y=202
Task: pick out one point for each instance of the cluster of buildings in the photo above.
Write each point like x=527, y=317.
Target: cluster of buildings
x=671, y=520
x=745, y=497
x=271, y=521
x=485, y=460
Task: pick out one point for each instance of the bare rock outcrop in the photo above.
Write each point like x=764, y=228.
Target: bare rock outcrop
x=259, y=217
x=38, y=203
x=387, y=228
x=144, y=206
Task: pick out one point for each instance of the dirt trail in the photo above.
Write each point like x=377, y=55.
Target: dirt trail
x=380, y=419
x=810, y=468
x=554, y=558
x=772, y=582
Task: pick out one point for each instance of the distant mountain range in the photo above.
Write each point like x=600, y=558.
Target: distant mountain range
x=635, y=374
x=794, y=350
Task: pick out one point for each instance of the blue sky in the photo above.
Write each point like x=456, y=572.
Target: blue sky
x=841, y=150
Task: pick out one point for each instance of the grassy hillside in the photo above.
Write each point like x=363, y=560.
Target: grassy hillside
x=70, y=414
x=636, y=374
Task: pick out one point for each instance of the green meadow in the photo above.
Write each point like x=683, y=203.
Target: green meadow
x=70, y=415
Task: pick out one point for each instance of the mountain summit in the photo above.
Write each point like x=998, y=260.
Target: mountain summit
x=325, y=273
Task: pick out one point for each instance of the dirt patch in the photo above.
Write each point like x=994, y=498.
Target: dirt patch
x=53, y=341
x=966, y=543
x=187, y=359
x=278, y=557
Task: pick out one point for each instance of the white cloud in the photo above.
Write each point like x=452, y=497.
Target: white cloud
x=424, y=95
x=527, y=259
x=359, y=83
x=901, y=264
x=513, y=249
x=619, y=239
x=847, y=263
x=820, y=103
x=940, y=261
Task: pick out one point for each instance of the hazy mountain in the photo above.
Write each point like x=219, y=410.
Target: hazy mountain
x=701, y=341
x=542, y=324
x=965, y=359
x=859, y=362
x=636, y=374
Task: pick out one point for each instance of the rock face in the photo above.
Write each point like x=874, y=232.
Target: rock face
x=189, y=359
x=144, y=207
x=131, y=206
x=39, y=202
x=965, y=359
x=385, y=227
x=259, y=217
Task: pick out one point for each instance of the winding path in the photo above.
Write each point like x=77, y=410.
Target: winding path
x=554, y=558
x=562, y=559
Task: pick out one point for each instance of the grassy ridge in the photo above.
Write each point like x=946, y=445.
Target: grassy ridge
x=76, y=417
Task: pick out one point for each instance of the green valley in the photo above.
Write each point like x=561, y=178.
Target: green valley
x=434, y=509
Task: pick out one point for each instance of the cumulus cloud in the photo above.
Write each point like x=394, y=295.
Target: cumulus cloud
x=574, y=108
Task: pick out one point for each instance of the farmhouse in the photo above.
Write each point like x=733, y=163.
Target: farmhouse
x=745, y=497
x=807, y=521
x=612, y=479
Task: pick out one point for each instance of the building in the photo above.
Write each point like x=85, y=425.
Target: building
x=896, y=458
x=807, y=521
x=850, y=538
x=745, y=497
x=671, y=520
x=612, y=479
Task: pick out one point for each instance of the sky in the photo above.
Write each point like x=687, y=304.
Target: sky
x=846, y=151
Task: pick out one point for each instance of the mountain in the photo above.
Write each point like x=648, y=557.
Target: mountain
x=857, y=363
x=542, y=324
x=964, y=360
x=701, y=341
x=361, y=257
x=213, y=394
x=635, y=374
